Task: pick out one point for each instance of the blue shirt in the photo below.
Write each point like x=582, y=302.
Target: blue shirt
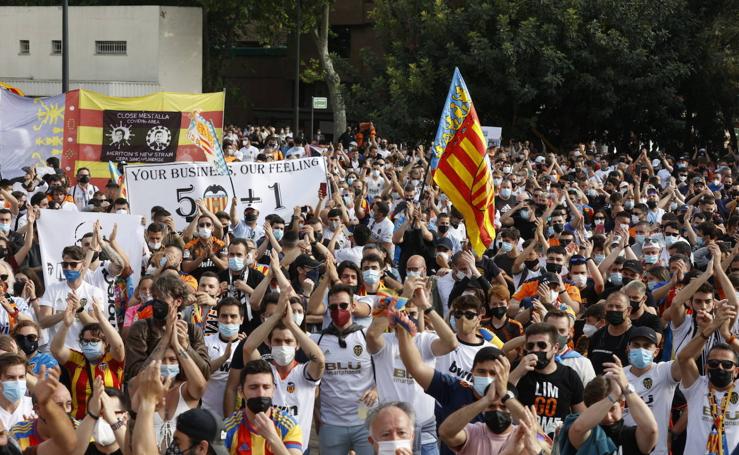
x=450, y=394
x=42, y=358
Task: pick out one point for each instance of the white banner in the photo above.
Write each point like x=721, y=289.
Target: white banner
x=493, y=134
x=270, y=187
x=60, y=228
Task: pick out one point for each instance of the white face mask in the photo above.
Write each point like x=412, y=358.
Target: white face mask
x=298, y=318
x=580, y=280
x=553, y=295
x=154, y=245
x=103, y=433
x=589, y=329
x=283, y=355
x=390, y=447
x=204, y=233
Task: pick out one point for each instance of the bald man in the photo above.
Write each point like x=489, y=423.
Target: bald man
x=391, y=426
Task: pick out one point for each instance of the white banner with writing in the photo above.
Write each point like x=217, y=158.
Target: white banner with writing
x=270, y=187
x=60, y=228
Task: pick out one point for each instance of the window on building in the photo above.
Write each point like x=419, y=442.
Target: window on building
x=25, y=47
x=340, y=41
x=110, y=47
x=56, y=47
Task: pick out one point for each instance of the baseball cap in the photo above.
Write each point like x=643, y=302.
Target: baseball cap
x=444, y=243
x=200, y=425
x=633, y=265
x=548, y=277
x=304, y=260
x=643, y=332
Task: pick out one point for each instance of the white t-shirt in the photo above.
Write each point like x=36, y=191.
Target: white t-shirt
x=215, y=390
x=699, y=416
x=347, y=376
x=249, y=153
x=244, y=231
x=582, y=366
x=296, y=395
x=656, y=387
x=56, y=298
x=82, y=196
x=382, y=232
x=445, y=285
x=458, y=363
x=394, y=383
x=103, y=279
x=353, y=254
x=25, y=408
x=341, y=240
x=375, y=186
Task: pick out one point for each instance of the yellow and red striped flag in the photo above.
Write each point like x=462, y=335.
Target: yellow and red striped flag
x=460, y=165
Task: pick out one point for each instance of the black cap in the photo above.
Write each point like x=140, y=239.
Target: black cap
x=304, y=260
x=633, y=265
x=548, y=277
x=444, y=243
x=200, y=425
x=647, y=333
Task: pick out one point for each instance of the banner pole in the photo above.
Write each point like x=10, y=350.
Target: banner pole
x=425, y=175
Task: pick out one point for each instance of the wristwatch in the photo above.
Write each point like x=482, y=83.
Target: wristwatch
x=428, y=310
x=117, y=425
x=507, y=396
x=628, y=390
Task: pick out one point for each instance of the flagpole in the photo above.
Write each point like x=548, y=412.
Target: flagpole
x=425, y=176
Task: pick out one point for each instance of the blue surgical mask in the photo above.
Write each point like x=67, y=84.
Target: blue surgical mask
x=278, y=233
x=640, y=357
x=524, y=214
x=228, y=330
x=639, y=238
x=235, y=264
x=169, y=371
x=71, y=275
x=505, y=192
x=480, y=383
x=92, y=351
x=616, y=278
x=371, y=276
x=5, y=227
x=506, y=247
x=650, y=258
x=598, y=258
x=13, y=391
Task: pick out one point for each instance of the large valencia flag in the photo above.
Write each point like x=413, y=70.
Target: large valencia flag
x=460, y=166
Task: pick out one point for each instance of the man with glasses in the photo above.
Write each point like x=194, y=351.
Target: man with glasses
x=348, y=385
x=555, y=390
x=72, y=291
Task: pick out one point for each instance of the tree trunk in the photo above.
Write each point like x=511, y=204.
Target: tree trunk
x=330, y=76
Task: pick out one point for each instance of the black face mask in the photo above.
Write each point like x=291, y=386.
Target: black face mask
x=26, y=345
x=625, y=281
x=160, y=309
x=443, y=229
x=554, y=268
x=319, y=236
x=720, y=378
x=613, y=431
x=259, y=404
x=250, y=218
x=558, y=227
x=498, y=312
x=541, y=359
x=18, y=287
x=532, y=264
x=497, y=421
x=84, y=179
x=652, y=205
x=635, y=304
x=615, y=317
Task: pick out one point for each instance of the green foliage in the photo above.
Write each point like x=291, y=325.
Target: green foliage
x=572, y=69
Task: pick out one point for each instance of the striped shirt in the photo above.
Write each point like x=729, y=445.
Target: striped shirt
x=242, y=438
x=78, y=368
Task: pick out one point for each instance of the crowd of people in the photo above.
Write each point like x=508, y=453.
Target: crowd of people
x=602, y=319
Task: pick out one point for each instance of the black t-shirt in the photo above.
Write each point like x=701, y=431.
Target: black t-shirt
x=552, y=395
x=413, y=243
x=253, y=278
x=92, y=450
x=625, y=439
x=588, y=296
x=648, y=320
x=525, y=227
x=504, y=205
x=604, y=345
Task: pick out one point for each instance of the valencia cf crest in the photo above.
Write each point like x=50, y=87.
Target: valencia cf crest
x=734, y=398
x=358, y=350
x=291, y=387
x=647, y=383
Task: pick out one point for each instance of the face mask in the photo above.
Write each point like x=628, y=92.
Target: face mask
x=259, y=404
x=616, y=278
x=506, y=247
x=507, y=169
x=298, y=318
x=84, y=179
x=340, y=317
x=375, y=173
x=160, y=310
x=615, y=317
x=626, y=280
x=553, y=295
x=670, y=239
x=562, y=340
x=283, y=355
x=505, y=193
x=235, y=264
x=413, y=274
x=682, y=178
x=151, y=270
x=524, y=214
x=350, y=180
x=480, y=383
x=443, y=229
x=5, y=228
x=639, y=238
x=673, y=206
x=169, y=371
x=598, y=258
x=589, y=329
x=650, y=258
x=628, y=205
x=459, y=275
x=71, y=275
x=541, y=360
x=598, y=222
x=228, y=330
x=26, y=345
x=497, y=182
x=532, y=264
x=497, y=421
x=554, y=268
x=718, y=377
x=652, y=205
x=371, y=276
x=580, y=280
x=640, y=357
x=204, y=233
x=13, y=391
x=498, y=312
x=625, y=227
x=334, y=226
x=250, y=218
x=103, y=433
x=278, y=233
x=93, y=351
x=391, y=447
x=154, y=245
x=558, y=228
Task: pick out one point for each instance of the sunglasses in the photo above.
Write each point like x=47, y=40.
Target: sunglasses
x=725, y=364
x=600, y=218
x=539, y=344
x=470, y=315
x=4, y=277
x=31, y=338
x=336, y=306
x=70, y=264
